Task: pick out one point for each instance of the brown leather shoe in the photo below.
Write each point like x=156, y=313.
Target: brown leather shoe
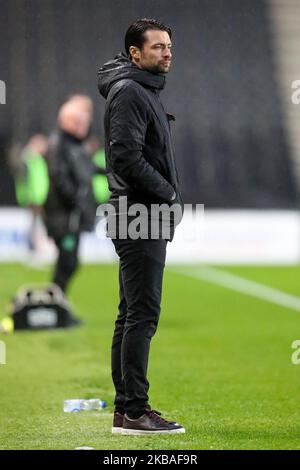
x=117, y=423
x=150, y=423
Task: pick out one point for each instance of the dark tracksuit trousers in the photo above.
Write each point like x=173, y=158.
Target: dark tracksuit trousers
x=140, y=278
x=67, y=261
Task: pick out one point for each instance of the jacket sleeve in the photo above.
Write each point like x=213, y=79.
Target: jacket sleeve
x=128, y=125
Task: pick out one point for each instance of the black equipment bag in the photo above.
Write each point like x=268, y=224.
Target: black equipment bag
x=39, y=308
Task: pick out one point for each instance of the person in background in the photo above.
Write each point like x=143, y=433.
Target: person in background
x=70, y=207
x=30, y=173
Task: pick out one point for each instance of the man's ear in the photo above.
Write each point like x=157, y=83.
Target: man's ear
x=135, y=53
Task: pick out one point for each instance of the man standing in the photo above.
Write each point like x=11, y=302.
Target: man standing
x=140, y=168
x=70, y=206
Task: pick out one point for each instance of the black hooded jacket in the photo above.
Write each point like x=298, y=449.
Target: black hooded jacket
x=70, y=206
x=138, y=144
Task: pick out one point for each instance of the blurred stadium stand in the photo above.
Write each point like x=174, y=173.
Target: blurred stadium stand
x=231, y=140
x=285, y=16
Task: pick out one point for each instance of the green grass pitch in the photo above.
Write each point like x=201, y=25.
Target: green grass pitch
x=220, y=364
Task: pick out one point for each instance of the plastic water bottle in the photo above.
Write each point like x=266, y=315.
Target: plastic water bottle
x=80, y=404
x=93, y=404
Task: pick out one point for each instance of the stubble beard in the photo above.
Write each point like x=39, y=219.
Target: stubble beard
x=158, y=69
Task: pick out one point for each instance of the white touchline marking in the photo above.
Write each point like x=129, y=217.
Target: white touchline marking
x=239, y=284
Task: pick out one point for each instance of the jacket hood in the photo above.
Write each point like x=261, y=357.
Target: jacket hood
x=121, y=67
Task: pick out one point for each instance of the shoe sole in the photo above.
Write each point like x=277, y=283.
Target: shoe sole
x=140, y=432
x=116, y=430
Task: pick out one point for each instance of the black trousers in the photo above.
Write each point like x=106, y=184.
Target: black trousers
x=140, y=278
x=67, y=261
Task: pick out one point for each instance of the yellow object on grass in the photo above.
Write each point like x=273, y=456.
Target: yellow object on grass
x=7, y=325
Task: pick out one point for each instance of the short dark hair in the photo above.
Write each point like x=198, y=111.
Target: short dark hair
x=135, y=33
